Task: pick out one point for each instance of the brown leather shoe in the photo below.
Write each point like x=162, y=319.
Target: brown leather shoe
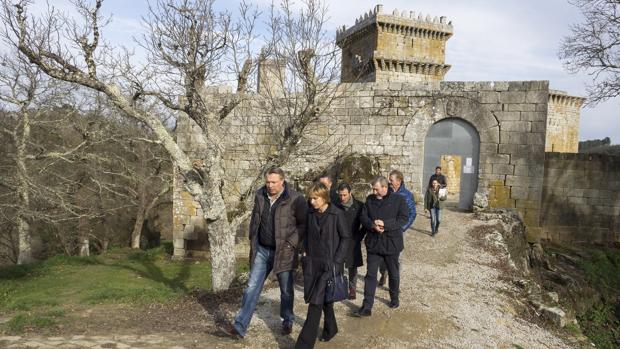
x=352, y=293
x=287, y=329
x=230, y=330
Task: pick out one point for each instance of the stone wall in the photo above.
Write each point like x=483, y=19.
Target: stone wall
x=389, y=122
x=581, y=198
x=563, y=122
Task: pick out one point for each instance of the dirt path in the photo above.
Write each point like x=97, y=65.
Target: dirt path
x=450, y=298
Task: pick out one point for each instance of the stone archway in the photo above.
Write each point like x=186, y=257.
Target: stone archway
x=443, y=107
x=454, y=145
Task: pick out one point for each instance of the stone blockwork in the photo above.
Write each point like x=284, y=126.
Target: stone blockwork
x=389, y=122
x=581, y=198
x=396, y=47
x=391, y=94
x=563, y=122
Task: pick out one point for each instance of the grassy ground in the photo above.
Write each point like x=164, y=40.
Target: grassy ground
x=601, y=322
x=50, y=293
x=591, y=288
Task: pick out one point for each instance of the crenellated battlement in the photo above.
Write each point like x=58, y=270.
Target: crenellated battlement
x=404, y=23
x=402, y=46
x=563, y=98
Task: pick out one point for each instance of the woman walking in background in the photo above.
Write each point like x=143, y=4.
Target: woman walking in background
x=326, y=246
x=433, y=202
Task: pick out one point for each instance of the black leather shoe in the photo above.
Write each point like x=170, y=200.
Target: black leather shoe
x=287, y=329
x=394, y=304
x=382, y=280
x=325, y=338
x=362, y=312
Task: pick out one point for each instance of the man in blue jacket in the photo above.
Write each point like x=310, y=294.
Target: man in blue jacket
x=397, y=186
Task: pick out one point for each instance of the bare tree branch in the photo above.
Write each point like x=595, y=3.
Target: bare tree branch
x=594, y=47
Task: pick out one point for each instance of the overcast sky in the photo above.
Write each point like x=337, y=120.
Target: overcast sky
x=493, y=40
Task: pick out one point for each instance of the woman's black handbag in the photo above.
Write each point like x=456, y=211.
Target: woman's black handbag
x=337, y=288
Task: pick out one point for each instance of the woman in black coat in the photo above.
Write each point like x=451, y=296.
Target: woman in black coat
x=326, y=247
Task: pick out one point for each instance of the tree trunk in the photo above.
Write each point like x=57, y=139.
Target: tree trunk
x=25, y=248
x=84, y=247
x=136, y=234
x=83, y=233
x=222, y=244
x=23, y=226
x=221, y=237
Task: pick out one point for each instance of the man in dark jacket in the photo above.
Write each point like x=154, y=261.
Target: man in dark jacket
x=277, y=227
x=383, y=216
x=352, y=209
x=397, y=186
x=439, y=177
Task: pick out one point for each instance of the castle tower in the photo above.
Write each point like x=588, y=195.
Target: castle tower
x=270, y=76
x=399, y=47
x=563, y=112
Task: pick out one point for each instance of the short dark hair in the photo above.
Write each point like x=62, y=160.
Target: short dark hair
x=438, y=168
x=343, y=186
x=275, y=170
x=325, y=175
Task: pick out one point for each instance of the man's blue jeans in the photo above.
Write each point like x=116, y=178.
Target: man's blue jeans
x=261, y=267
x=435, y=219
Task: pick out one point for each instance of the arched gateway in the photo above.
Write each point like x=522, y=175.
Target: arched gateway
x=454, y=144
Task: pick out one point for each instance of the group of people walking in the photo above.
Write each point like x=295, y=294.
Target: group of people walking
x=325, y=230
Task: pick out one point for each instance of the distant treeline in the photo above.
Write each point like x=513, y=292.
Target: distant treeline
x=77, y=182
x=599, y=146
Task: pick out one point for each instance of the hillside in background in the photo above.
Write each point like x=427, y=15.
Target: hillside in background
x=599, y=146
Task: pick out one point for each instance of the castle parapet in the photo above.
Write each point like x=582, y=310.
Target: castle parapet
x=401, y=46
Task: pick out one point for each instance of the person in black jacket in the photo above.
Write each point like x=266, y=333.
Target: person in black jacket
x=326, y=246
x=383, y=216
x=352, y=209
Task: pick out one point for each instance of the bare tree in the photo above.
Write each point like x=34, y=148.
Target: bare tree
x=29, y=95
x=594, y=47
x=190, y=38
x=302, y=65
x=188, y=44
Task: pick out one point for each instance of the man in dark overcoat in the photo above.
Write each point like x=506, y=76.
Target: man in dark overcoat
x=383, y=216
x=352, y=209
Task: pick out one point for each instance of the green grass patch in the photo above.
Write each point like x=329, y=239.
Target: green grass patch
x=603, y=270
x=601, y=321
x=601, y=326
x=572, y=329
x=155, y=254
x=22, y=322
x=36, y=294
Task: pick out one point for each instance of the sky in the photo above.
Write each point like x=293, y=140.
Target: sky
x=493, y=40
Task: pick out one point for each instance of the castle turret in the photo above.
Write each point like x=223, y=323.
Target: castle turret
x=563, y=112
x=401, y=46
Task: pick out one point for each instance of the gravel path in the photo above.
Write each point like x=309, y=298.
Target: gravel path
x=450, y=298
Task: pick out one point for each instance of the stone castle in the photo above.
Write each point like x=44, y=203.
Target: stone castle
x=501, y=140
